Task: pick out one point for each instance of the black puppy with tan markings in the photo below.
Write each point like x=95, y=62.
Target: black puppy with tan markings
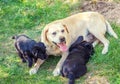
x=29, y=50
x=75, y=64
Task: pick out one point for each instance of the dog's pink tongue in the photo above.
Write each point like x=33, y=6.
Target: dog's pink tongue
x=63, y=47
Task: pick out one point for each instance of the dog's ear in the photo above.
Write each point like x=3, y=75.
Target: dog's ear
x=39, y=51
x=77, y=42
x=88, y=45
x=35, y=51
x=40, y=47
x=44, y=35
x=65, y=28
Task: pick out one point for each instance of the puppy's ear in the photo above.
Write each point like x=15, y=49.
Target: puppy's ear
x=77, y=42
x=39, y=50
x=65, y=28
x=88, y=45
x=35, y=51
x=42, y=46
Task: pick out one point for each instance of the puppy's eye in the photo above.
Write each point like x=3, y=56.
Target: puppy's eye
x=54, y=33
x=62, y=31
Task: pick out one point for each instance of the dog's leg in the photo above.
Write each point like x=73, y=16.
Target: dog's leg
x=95, y=43
x=19, y=53
x=56, y=71
x=30, y=61
x=36, y=66
x=105, y=42
x=21, y=56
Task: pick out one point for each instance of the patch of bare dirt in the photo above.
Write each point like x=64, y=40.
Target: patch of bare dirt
x=96, y=80
x=110, y=10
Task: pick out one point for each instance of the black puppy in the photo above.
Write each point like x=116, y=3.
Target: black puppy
x=75, y=64
x=29, y=50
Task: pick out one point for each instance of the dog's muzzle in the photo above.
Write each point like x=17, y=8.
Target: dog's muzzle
x=62, y=39
x=62, y=45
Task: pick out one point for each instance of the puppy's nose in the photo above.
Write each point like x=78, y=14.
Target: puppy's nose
x=62, y=39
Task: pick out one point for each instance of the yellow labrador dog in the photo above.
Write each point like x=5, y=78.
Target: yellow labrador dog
x=59, y=35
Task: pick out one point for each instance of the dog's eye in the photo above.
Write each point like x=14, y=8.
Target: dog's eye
x=62, y=31
x=54, y=33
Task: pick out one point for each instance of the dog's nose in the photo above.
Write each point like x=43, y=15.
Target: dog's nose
x=62, y=39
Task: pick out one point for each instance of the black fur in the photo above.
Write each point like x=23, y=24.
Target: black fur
x=75, y=64
x=29, y=50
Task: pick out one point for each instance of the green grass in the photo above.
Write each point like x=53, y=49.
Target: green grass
x=29, y=17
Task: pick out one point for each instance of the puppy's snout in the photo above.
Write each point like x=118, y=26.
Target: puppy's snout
x=62, y=39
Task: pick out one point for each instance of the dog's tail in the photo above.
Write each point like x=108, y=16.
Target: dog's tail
x=14, y=37
x=110, y=30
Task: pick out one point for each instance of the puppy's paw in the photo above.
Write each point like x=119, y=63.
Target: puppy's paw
x=32, y=71
x=23, y=61
x=56, y=72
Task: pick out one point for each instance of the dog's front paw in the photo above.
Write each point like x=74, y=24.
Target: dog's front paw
x=104, y=51
x=32, y=71
x=56, y=72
